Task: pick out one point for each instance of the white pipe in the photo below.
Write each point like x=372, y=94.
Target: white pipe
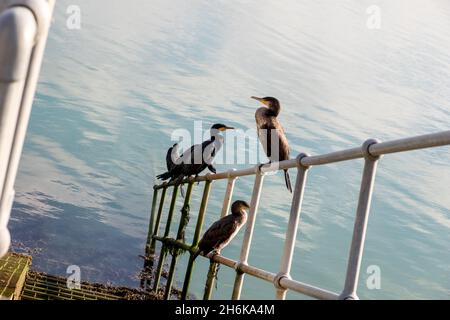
x=23, y=33
x=245, y=250
x=360, y=227
x=413, y=143
x=228, y=195
x=291, y=233
x=308, y=290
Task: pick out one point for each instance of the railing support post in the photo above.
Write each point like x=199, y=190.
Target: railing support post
x=149, y=252
x=158, y=220
x=163, y=253
x=291, y=233
x=228, y=195
x=213, y=266
x=239, y=280
x=198, y=230
x=151, y=224
x=360, y=227
x=180, y=235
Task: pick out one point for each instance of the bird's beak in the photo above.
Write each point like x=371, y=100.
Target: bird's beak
x=264, y=102
x=225, y=128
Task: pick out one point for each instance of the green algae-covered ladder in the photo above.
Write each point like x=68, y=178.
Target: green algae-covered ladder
x=370, y=151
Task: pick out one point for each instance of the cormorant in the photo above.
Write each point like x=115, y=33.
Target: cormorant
x=198, y=157
x=271, y=133
x=224, y=230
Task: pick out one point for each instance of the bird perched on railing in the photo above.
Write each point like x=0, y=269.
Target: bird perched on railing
x=271, y=133
x=224, y=230
x=198, y=157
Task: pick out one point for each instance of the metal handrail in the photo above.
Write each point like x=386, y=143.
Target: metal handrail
x=370, y=151
x=381, y=148
x=24, y=28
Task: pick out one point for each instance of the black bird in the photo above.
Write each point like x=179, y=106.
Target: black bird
x=198, y=157
x=270, y=132
x=224, y=230
x=172, y=157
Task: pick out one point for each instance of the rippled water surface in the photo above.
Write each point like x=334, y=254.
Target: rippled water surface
x=111, y=94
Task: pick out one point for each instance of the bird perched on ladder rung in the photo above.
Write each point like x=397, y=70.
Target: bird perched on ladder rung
x=224, y=230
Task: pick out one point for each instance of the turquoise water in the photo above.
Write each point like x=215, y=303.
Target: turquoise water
x=111, y=94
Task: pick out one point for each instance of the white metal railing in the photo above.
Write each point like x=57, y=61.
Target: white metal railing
x=23, y=33
x=371, y=151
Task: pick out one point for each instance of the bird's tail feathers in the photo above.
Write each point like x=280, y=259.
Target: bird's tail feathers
x=164, y=176
x=287, y=178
